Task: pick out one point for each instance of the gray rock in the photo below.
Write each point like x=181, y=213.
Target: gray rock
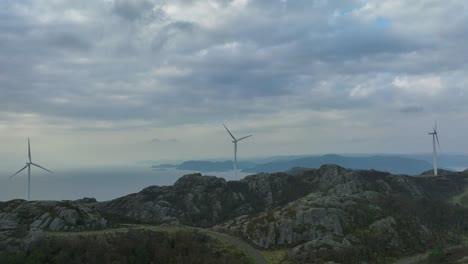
x=34, y=238
x=86, y=200
x=57, y=224
x=70, y=216
x=385, y=230
x=21, y=222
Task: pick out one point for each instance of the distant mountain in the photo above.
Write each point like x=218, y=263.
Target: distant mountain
x=165, y=166
x=392, y=164
x=206, y=166
x=444, y=160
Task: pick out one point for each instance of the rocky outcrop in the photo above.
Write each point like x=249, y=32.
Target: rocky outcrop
x=308, y=218
x=86, y=200
x=207, y=200
x=21, y=222
x=331, y=227
x=353, y=215
x=193, y=200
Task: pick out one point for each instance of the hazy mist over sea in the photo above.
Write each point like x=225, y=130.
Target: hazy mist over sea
x=100, y=183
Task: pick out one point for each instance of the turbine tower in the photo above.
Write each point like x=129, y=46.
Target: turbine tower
x=235, y=140
x=435, y=138
x=28, y=165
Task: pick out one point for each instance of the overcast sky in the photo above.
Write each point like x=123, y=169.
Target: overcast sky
x=114, y=82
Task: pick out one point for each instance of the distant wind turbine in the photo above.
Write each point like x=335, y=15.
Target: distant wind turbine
x=235, y=140
x=435, y=138
x=28, y=165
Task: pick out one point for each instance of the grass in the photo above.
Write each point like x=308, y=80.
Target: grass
x=461, y=198
x=464, y=200
x=122, y=228
x=278, y=256
x=236, y=251
x=433, y=255
x=171, y=242
x=220, y=245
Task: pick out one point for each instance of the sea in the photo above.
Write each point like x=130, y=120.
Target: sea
x=101, y=183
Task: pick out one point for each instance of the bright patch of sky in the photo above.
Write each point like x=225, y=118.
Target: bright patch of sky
x=382, y=21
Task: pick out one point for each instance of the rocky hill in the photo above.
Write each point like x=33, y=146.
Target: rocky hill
x=22, y=222
x=326, y=213
x=330, y=213
x=207, y=200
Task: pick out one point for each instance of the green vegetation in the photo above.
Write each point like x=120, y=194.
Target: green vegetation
x=373, y=214
x=132, y=246
x=437, y=215
x=279, y=256
x=464, y=200
x=437, y=256
x=461, y=199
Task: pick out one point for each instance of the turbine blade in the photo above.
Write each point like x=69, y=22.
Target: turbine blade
x=19, y=171
x=437, y=137
x=229, y=132
x=244, y=137
x=29, y=150
x=41, y=167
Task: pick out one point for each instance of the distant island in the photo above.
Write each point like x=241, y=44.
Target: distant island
x=392, y=164
x=206, y=166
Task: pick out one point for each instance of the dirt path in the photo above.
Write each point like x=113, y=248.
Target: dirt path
x=219, y=236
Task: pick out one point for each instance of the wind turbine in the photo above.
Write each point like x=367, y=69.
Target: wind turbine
x=28, y=165
x=434, y=149
x=235, y=140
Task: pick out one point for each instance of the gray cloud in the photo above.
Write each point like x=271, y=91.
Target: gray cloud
x=68, y=41
x=170, y=140
x=164, y=64
x=412, y=109
x=133, y=9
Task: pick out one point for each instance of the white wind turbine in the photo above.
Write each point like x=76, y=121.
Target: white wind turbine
x=28, y=165
x=235, y=140
x=435, y=138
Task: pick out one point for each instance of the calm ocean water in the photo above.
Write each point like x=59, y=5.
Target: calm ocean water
x=102, y=183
